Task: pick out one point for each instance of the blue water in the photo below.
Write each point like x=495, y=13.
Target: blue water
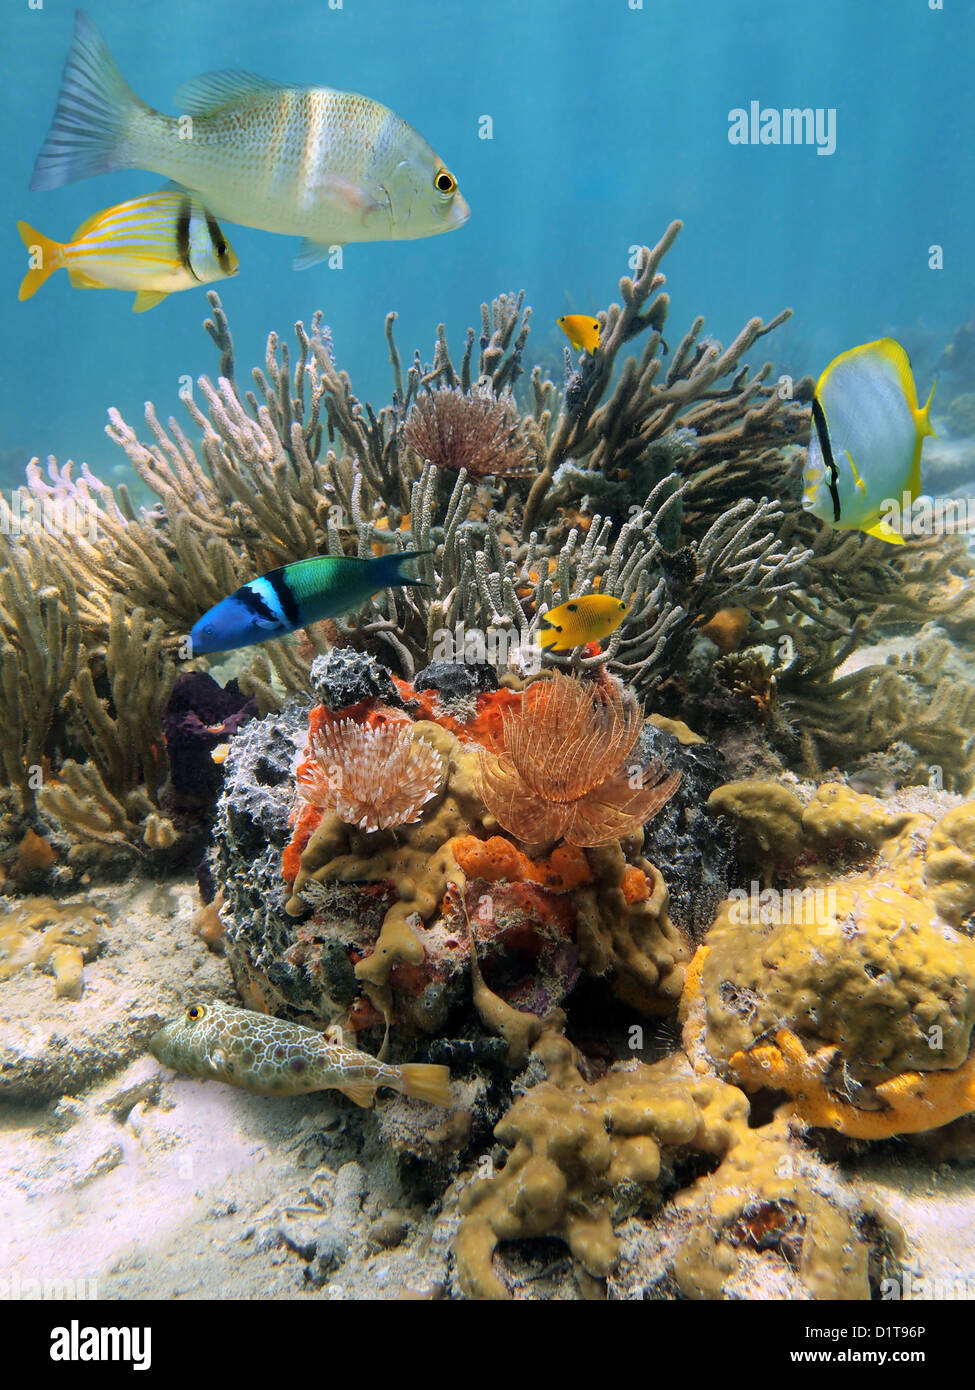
x=608, y=122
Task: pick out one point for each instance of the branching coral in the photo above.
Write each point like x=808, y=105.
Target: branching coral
x=674, y=489
x=40, y=651
x=562, y=773
x=258, y=490
x=373, y=777
x=113, y=797
x=616, y=434
x=911, y=702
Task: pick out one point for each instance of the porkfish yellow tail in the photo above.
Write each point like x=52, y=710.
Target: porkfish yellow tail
x=426, y=1081
x=46, y=255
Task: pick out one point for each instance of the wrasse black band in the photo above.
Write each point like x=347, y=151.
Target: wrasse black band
x=819, y=420
x=289, y=604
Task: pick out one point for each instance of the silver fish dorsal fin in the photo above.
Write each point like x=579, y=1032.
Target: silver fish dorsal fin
x=201, y=96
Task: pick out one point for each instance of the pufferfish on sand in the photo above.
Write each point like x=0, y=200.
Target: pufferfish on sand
x=329, y=166
x=271, y=1057
x=868, y=431
x=155, y=245
x=587, y=619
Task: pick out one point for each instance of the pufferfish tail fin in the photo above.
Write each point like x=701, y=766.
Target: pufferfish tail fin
x=45, y=251
x=426, y=1081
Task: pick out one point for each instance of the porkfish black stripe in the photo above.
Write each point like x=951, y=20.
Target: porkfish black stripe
x=290, y=606
x=819, y=420
x=183, y=236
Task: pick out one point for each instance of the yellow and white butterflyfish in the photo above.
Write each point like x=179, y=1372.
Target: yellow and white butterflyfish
x=865, y=449
x=153, y=245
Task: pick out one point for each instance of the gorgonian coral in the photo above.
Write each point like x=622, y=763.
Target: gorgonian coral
x=476, y=430
x=373, y=777
x=563, y=771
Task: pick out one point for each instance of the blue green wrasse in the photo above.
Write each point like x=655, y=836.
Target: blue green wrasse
x=296, y=595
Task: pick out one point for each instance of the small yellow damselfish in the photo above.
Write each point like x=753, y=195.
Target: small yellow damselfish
x=154, y=245
x=865, y=449
x=581, y=620
x=582, y=331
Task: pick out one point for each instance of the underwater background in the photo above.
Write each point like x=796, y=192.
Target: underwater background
x=514, y=839
x=607, y=123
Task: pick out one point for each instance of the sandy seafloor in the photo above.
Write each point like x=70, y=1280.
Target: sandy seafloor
x=157, y=1186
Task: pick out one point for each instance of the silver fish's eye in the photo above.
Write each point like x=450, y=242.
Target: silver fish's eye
x=444, y=181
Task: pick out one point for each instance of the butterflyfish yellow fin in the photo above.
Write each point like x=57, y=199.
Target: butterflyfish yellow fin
x=923, y=416
x=148, y=299
x=883, y=531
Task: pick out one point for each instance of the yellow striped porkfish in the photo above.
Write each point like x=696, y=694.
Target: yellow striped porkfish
x=154, y=245
x=329, y=166
x=865, y=449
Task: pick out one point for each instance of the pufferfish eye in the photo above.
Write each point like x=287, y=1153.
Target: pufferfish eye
x=444, y=181
x=194, y=1012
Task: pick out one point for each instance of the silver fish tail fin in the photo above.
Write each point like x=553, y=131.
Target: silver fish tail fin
x=95, y=107
x=391, y=571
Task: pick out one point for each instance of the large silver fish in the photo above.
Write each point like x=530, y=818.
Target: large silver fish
x=329, y=166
